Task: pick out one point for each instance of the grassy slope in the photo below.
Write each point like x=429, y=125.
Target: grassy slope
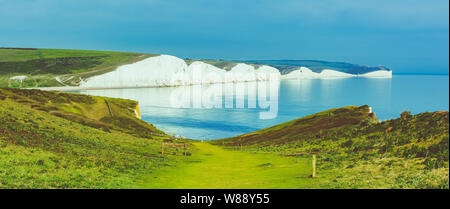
x=43, y=66
x=41, y=149
x=306, y=127
x=408, y=152
x=361, y=152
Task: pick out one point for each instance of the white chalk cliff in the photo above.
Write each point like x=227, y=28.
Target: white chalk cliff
x=378, y=74
x=306, y=73
x=166, y=70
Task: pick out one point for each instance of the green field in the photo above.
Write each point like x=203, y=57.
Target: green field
x=58, y=67
x=213, y=167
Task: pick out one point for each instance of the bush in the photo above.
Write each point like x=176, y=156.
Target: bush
x=348, y=143
x=405, y=115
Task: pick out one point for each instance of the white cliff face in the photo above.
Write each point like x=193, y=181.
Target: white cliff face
x=334, y=74
x=201, y=73
x=301, y=73
x=154, y=71
x=166, y=70
x=378, y=74
x=306, y=73
x=265, y=73
x=241, y=72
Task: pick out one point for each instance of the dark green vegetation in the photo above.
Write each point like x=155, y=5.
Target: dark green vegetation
x=357, y=151
x=60, y=140
x=56, y=67
x=307, y=127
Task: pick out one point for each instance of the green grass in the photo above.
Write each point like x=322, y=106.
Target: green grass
x=409, y=152
x=305, y=128
x=20, y=55
x=61, y=140
x=213, y=167
x=86, y=110
x=39, y=149
x=44, y=66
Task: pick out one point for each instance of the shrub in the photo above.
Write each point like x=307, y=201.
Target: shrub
x=348, y=143
x=405, y=115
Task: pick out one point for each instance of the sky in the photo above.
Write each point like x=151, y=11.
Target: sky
x=408, y=36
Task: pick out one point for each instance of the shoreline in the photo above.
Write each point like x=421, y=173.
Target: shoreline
x=80, y=88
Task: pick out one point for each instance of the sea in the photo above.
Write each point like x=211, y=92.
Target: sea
x=214, y=111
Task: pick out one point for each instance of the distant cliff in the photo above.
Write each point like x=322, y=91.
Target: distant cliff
x=287, y=66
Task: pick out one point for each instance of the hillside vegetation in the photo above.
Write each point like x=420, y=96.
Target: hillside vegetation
x=354, y=150
x=60, y=140
x=58, y=67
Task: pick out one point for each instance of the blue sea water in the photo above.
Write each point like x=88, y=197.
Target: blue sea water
x=296, y=98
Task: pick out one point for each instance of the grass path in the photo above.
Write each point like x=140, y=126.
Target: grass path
x=213, y=167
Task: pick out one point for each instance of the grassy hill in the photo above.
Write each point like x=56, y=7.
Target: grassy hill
x=58, y=67
x=357, y=151
x=60, y=140
x=307, y=127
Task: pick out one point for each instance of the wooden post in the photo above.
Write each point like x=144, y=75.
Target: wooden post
x=313, y=166
x=162, y=148
x=109, y=108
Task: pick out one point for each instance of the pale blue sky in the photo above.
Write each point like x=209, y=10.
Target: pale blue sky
x=405, y=35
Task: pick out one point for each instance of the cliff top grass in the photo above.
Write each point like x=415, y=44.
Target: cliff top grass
x=87, y=110
x=58, y=67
